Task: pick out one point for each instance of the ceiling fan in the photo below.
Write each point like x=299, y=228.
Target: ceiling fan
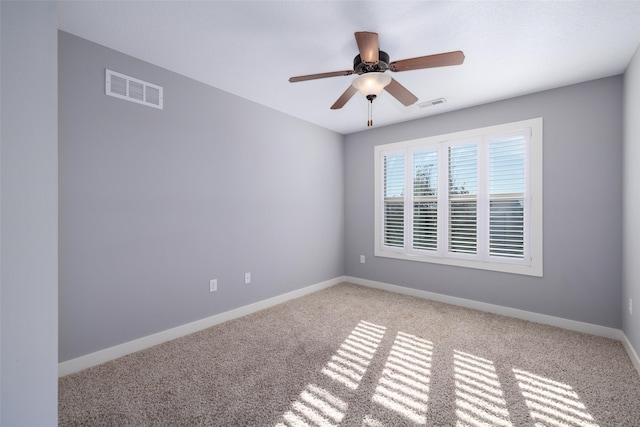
x=371, y=63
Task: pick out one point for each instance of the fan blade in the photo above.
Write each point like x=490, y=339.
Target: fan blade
x=320, y=76
x=429, y=61
x=368, y=46
x=400, y=93
x=344, y=98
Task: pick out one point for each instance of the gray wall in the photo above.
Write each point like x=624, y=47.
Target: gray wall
x=28, y=214
x=582, y=206
x=631, y=212
x=154, y=203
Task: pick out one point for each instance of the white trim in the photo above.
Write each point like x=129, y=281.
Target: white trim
x=572, y=325
x=111, y=353
x=635, y=360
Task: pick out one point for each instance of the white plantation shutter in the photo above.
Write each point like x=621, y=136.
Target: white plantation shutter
x=394, y=186
x=425, y=200
x=472, y=199
x=507, y=197
x=463, y=194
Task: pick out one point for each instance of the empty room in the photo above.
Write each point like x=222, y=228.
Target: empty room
x=310, y=213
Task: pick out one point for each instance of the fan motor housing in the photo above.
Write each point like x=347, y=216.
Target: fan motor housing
x=361, y=67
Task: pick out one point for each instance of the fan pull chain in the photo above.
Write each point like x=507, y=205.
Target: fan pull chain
x=370, y=110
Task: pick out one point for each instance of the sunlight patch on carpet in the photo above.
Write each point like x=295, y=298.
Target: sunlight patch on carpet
x=404, y=385
x=369, y=421
x=315, y=407
x=479, y=396
x=551, y=402
x=319, y=407
x=351, y=360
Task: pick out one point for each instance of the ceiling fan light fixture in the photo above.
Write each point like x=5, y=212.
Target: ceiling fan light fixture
x=371, y=83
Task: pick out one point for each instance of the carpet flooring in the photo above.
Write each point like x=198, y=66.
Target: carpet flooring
x=355, y=356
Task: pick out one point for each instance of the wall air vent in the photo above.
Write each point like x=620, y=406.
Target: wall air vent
x=132, y=89
x=432, y=103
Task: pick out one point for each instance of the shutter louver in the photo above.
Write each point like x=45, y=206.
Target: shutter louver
x=463, y=215
x=425, y=200
x=506, y=210
x=394, y=200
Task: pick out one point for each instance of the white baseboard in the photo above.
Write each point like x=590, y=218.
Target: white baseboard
x=102, y=356
x=631, y=352
x=111, y=353
x=572, y=325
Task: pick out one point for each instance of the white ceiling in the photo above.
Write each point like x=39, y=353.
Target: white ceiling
x=251, y=48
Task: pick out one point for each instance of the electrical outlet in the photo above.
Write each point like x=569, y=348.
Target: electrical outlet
x=630, y=307
x=247, y=277
x=361, y=259
x=213, y=285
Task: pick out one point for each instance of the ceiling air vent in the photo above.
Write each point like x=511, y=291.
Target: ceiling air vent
x=132, y=89
x=432, y=103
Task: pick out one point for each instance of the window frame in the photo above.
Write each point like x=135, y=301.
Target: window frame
x=530, y=264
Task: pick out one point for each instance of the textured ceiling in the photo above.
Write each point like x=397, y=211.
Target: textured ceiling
x=251, y=48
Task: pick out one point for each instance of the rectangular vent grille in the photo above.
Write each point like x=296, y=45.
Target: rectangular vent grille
x=132, y=89
x=432, y=103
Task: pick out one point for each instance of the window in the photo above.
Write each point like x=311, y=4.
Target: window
x=470, y=199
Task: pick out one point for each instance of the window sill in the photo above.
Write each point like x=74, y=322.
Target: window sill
x=535, y=269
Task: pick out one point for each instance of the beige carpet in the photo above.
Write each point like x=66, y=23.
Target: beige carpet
x=355, y=356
